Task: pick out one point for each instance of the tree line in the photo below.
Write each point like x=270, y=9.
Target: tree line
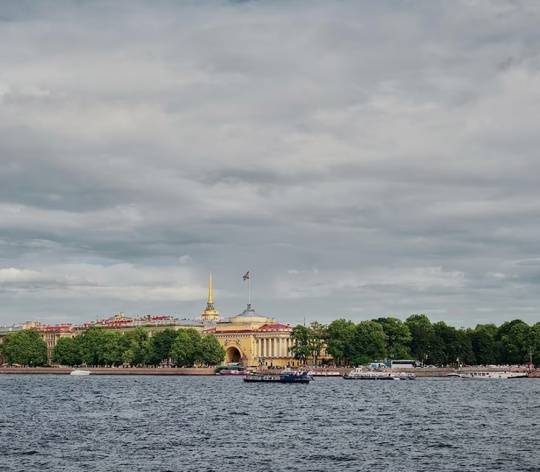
x=349, y=343
x=101, y=347
x=342, y=341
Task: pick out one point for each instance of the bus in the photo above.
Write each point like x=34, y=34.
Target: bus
x=404, y=364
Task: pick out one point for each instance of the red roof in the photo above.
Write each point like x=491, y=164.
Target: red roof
x=274, y=327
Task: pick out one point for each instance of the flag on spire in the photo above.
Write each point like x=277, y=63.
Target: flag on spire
x=246, y=276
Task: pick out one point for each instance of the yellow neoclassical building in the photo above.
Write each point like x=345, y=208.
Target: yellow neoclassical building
x=249, y=339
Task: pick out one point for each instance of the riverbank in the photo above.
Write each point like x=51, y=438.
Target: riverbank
x=419, y=372
x=110, y=370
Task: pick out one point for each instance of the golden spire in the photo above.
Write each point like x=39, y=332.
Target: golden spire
x=210, y=297
x=210, y=314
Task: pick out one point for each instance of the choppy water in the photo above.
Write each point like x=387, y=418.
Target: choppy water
x=124, y=423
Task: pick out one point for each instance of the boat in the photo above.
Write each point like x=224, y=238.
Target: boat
x=487, y=375
x=79, y=372
x=359, y=373
x=458, y=375
x=286, y=376
x=236, y=372
x=324, y=373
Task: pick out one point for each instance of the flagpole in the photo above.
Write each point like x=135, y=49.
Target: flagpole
x=248, y=278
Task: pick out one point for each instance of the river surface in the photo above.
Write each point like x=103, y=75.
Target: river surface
x=138, y=423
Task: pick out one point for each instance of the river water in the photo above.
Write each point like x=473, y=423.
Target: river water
x=149, y=423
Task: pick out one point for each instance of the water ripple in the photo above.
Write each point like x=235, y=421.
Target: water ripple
x=170, y=424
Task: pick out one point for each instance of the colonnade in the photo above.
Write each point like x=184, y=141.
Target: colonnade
x=273, y=347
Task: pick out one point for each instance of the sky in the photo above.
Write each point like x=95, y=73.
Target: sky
x=361, y=159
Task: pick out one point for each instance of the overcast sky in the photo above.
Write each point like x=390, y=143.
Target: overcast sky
x=359, y=158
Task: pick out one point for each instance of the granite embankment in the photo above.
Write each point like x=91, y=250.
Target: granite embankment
x=110, y=371
x=419, y=372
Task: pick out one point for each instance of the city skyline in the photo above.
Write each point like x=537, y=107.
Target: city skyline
x=356, y=159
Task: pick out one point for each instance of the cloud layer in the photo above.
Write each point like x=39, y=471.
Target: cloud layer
x=361, y=159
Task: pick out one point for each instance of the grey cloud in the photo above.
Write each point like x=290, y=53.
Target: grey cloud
x=366, y=139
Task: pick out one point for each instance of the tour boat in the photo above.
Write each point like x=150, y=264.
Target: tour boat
x=487, y=375
x=286, y=376
x=324, y=373
x=79, y=372
x=359, y=373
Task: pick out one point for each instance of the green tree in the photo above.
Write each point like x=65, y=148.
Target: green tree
x=398, y=338
x=182, y=350
x=369, y=342
x=425, y=346
x=111, y=348
x=534, y=343
x=26, y=348
x=514, y=339
x=67, y=352
x=135, y=347
x=456, y=346
x=101, y=347
x=90, y=343
x=301, y=348
x=339, y=337
x=316, y=340
x=161, y=344
x=186, y=348
x=484, y=345
x=211, y=351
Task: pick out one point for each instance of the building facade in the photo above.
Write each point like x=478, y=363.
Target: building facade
x=249, y=339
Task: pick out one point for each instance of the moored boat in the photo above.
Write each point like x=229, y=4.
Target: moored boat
x=458, y=375
x=79, y=372
x=323, y=373
x=360, y=373
x=488, y=375
x=236, y=372
x=286, y=376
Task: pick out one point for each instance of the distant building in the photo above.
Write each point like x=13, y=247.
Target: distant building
x=249, y=339
x=149, y=323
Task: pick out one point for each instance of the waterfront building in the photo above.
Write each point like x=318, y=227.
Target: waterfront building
x=249, y=339
x=52, y=333
x=149, y=323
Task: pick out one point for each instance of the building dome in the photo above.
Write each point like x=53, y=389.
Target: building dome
x=249, y=315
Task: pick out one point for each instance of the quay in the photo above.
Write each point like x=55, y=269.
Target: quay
x=419, y=372
x=111, y=370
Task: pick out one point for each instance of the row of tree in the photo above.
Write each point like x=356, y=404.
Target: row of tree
x=101, y=347
x=345, y=342
x=349, y=343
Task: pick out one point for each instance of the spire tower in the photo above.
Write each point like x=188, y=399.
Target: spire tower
x=210, y=314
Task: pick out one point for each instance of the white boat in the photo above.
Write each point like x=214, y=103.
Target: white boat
x=458, y=375
x=322, y=373
x=359, y=373
x=487, y=375
x=79, y=372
